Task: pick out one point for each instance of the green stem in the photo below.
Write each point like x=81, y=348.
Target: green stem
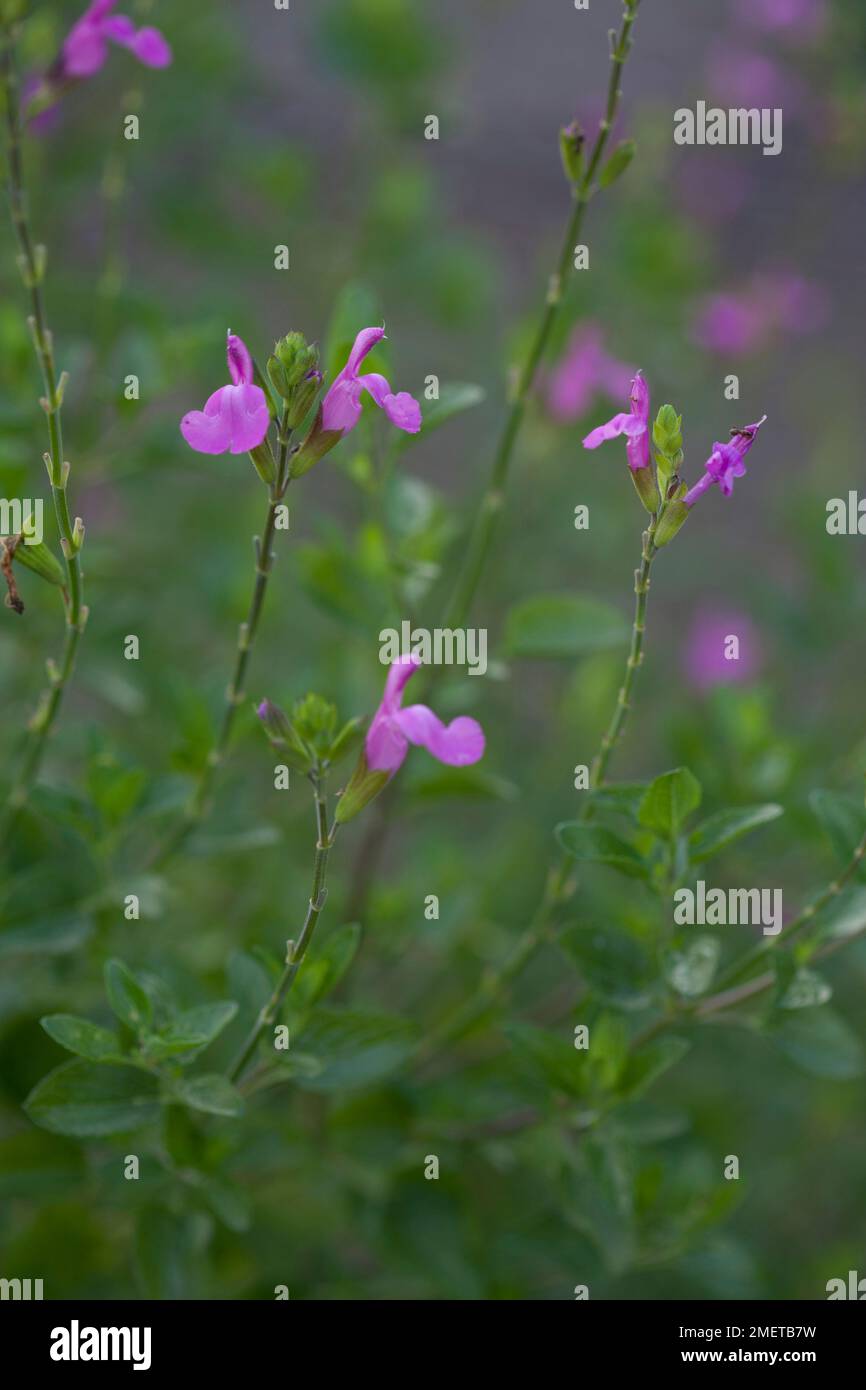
x=615, y=728
x=487, y=516
x=295, y=951
x=31, y=260
x=200, y=802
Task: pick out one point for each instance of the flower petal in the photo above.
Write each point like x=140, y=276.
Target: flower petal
x=402, y=410
x=240, y=360
x=235, y=418
x=84, y=52
x=341, y=407
x=458, y=744
x=151, y=48
x=399, y=673
x=364, y=343
x=620, y=424
x=386, y=746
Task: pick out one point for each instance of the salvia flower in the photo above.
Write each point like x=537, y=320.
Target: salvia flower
x=634, y=425
x=341, y=408
x=236, y=417
x=726, y=462
x=85, y=48
x=393, y=728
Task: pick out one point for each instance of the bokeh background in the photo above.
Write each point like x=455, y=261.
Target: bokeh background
x=306, y=128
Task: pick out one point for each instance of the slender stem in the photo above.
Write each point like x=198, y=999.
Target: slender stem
x=803, y=920
x=484, y=526
x=295, y=952
x=31, y=261
x=495, y=983
x=729, y=997
x=199, y=805
x=615, y=728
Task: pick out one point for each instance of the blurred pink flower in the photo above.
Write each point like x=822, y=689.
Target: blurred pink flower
x=727, y=180
x=704, y=658
x=85, y=49
x=739, y=77
x=800, y=20
x=747, y=320
x=235, y=418
x=393, y=728
x=584, y=370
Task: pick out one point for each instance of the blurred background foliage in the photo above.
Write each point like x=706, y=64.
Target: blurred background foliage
x=306, y=128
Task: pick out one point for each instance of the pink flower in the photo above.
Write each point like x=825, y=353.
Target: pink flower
x=85, y=49
x=235, y=418
x=725, y=463
x=635, y=427
x=747, y=320
x=801, y=20
x=341, y=408
x=707, y=660
x=393, y=728
x=584, y=370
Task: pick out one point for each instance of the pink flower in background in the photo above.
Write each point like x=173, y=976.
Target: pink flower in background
x=235, y=418
x=583, y=372
x=728, y=179
x=801, y=20
x=747, y=320
x=740, y=77
x=635, y=427
x=341, y=408
x=708, y=658
x=85, y=49
x=393, y=728
x=725, y=463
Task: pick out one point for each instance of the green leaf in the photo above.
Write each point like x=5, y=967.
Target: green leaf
x=807, y=990
x=843, y=820
x=85, y=1099
x=651, y=1062
x=690, y=971
x=821, y=1043
x=47, y=936
x=355, y=1049
x=191, y=1031
x=618, y=163
x=669, y=801
x=845, y=917
x=551, y=1055
x=454, y=398
x=81, y=1036
x=595, y=844
x=725, y=827
x=325, y=967
x=611, y=961
x=212, y=1093
x=563, y=625
x=127, y=998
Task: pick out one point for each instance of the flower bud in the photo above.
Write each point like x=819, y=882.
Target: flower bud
x=303, y=397
x=675, y=514
x=363, y=786
x=645, y=487
x=571, y=143
x=317, y=443
x=38, y=558
x=263, y=461
x=297, y=358
x=284, y=736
